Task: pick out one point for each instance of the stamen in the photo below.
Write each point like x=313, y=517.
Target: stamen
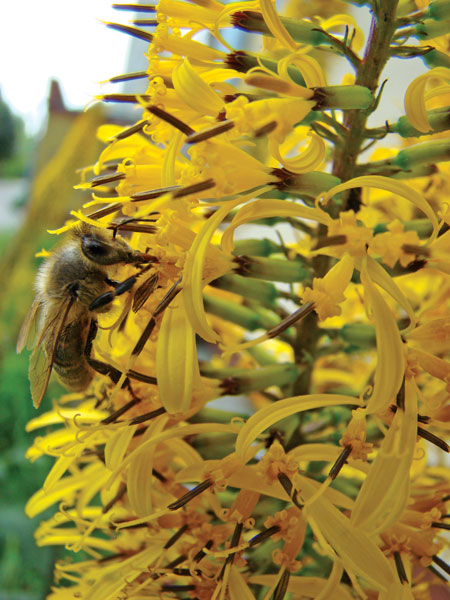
x=437, y=573
x=137, y=33
x=434, y=439
x=123, y=97
x=264, y=535
x=265, y=129
x=128, y=77
x=437, y=525
x=145, y=22
x=171, y=294
x=300, y=313
x=340, y=462
x=234, y=542
x=168, y=118
x=147, y=416
x=400, y=568
x=282, y=586
x=442, y=564
x=176, y=536
x=400, y=399
x=151, y=194
x=332, y=240
x=135, y=7
x=119, y=412
x=120, y=493
x=177, y=588
x=159, y=476
x=201, y=553
x=417, y=250
x=194, y=188
x=129, y=131
x=172, y=565
x=107, y=210
x=108, y=178
x=201, y=487
x=289, y=489
x=210, y=132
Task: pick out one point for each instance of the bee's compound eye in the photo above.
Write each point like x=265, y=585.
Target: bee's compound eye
x=95, y=249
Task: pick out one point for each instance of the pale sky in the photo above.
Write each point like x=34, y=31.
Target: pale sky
x=41, y=39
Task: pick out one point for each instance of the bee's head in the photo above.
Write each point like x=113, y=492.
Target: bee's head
x=101, y=247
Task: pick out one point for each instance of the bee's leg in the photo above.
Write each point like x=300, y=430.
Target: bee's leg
x=114, y=374
x=119, y=288
x=171, y=294
x=134, y=224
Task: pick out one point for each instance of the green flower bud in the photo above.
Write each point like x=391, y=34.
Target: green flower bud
x=439, y=119
x=430, y=29
x=428, y=152
x=359, y=334
x=240, y=381
x=244, y=61
x=304, y=32
x=308, y=185
x=439, y=10
x=263, y=247
x=232, y=311
x=345, y=97
x=272, y=269
x=263, y=291
x=434, y=58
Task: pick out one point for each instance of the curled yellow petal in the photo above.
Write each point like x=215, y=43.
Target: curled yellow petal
x=389, y=185
x=415, y=98
x=262, y=209
x=276, y=27
x=307, y=160
x=391, y=362
x=269, y=415
x=194, y=91
x=176, y=359
x=384, y=494
x=193, y=274
x=358, y=552
x=309, y=67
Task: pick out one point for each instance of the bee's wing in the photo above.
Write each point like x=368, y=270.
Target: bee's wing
x=28, y=324
x=41, y=361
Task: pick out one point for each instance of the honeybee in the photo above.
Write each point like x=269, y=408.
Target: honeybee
x=72, y=286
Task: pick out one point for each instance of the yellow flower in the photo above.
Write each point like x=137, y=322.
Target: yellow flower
x=328, y=293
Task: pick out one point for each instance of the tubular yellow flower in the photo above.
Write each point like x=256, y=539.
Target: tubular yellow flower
x=328, y=293
x=415, y=98
x=391, y=246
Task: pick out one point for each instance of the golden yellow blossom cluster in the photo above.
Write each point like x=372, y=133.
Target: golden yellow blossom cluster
x=269, y=412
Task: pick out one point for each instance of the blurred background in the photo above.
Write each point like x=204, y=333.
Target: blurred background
x=54, y=55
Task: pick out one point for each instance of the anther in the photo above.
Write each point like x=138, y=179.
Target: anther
x=400, y=568
x=194, y=188
x=340, y=462
x=264, y=535
x=201, y=487
x=109, y=178
x=171, y=120
x=176, y=536
x=210, y=132
x=137, y=33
